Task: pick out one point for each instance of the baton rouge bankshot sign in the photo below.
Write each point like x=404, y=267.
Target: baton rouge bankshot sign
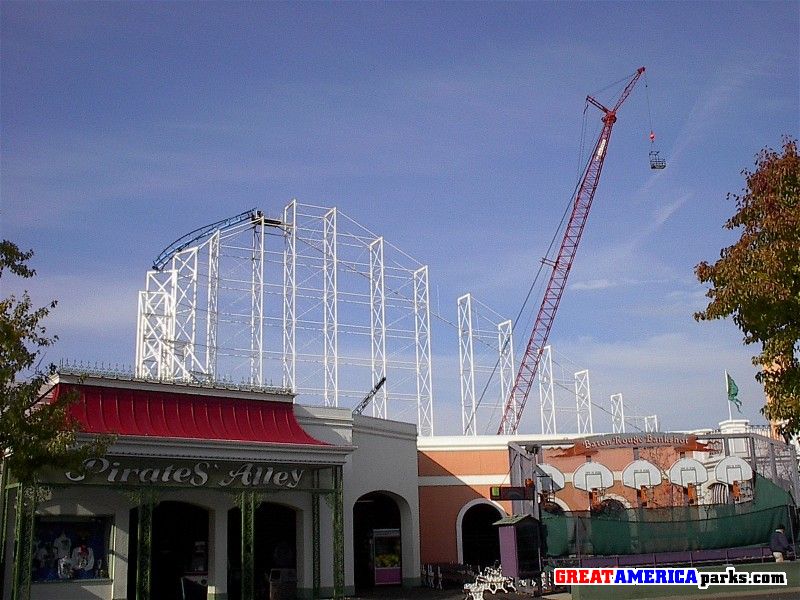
x=195, y=474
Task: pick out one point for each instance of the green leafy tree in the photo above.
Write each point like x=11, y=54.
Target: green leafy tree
x=756, y=281
x=34, y=432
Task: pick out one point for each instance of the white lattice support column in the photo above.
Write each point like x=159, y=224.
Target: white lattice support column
x=422, y=336
x=617, y=414
x=583, y=402
x=547, y=397
x=290, y=295
x=651, y=423
x=257, y=303
x=150, y=335
x=330, y=318
x=466, y=363
x=377, y=325
x=156, y=326
x=505, y=348
x=212, y=299
x=139, y=368
x=187, y=365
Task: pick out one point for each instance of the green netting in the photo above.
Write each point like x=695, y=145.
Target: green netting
x=680, y=528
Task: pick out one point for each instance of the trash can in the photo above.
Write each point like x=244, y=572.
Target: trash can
x=282, y=584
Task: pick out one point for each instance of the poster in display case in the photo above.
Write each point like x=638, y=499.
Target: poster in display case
x=70, y=547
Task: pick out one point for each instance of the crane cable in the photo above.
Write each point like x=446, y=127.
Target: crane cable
x=528, y=296
x=649, y=114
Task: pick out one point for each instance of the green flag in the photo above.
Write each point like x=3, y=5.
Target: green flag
x=733, y=391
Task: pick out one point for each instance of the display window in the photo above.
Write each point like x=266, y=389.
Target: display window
x=70, y=547
x=386, y=556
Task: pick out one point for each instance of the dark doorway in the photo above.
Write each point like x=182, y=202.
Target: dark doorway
x=611, y=508
x=275, y=540
x=179, y=552
x=480, y=539
x=372, y=512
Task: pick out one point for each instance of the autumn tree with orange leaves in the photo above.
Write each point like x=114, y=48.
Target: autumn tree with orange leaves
x=756, y=281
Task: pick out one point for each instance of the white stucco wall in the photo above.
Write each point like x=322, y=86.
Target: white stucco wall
x=386, y=461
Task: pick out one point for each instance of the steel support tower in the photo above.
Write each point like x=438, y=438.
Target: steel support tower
x=377, y=302
x=651, y=423
x=422, y=337
x=583, y=402
x=617, y=414
x=547, y=394
x=466, y=360
x=330, y=316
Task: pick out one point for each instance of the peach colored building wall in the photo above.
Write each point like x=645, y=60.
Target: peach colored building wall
x=463, y=462
x=457, y=471
x=450, y=480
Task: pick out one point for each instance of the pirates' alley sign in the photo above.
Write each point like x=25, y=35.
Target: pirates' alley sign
x=680, y=442
x=197, y=474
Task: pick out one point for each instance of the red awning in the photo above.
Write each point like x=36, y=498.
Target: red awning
x=125, y=411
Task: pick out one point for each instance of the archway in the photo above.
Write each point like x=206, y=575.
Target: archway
x=377, y=548
x=179, y=551
x=480, y=541
x=275, y=547
x=719, y=493
x=611, y=508
x=553, y=508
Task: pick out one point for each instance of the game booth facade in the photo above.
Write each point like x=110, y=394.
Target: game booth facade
x=222, y=493
x=603, y=497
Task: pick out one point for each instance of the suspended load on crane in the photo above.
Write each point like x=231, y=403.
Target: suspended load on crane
x=656, y=162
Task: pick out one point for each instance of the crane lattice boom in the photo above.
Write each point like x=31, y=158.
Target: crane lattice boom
x=512, y=411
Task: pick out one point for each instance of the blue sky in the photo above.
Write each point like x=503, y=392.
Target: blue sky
x=452, y=129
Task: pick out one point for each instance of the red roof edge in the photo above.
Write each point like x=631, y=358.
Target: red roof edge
x=140, y=412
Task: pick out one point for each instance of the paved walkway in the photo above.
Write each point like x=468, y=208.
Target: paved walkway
x=421, y=593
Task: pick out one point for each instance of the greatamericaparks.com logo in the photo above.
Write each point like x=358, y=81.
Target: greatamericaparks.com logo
x=667, y=576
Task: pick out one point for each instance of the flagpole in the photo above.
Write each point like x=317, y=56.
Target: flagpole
x=730, y=414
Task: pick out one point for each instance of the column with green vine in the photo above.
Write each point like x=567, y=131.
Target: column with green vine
x=23, y=547
x=315, y=538
x=338, y=533
x=144, y=544
x=247, y=503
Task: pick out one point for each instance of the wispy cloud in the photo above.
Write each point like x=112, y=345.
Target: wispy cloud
x=679, y=304
x=594, y=284
x=86, y=303
x=676, y=375
x=657, y=220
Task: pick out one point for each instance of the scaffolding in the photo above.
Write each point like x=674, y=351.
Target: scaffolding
x=313, y=300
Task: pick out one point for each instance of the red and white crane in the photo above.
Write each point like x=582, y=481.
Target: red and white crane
x=529, y=365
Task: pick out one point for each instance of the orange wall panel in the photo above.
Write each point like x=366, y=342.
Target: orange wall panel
x=463, y=462
x=439, y=507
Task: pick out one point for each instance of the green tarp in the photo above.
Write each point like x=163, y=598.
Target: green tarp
x=673, y=529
